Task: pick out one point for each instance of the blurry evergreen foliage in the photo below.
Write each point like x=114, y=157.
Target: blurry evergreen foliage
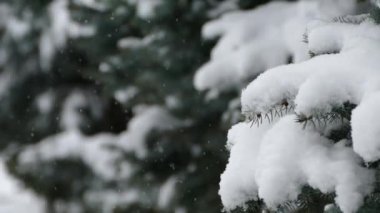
x=163, y=68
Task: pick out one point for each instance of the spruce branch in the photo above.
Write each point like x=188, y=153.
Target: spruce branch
x=279, y=110
x=252, y=206
x=310, y=200
x=341, y=114
x=347, y=19
x=305, y=38
x=351, y=19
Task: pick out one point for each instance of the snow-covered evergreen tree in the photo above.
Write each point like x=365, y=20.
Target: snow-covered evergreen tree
x=310, y=139
x=98, y=109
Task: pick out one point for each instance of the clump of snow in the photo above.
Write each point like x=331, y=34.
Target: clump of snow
x=246, y=62
x=106, y=200
x=134, y=42
x=61, y=28
x=238, y=28
x=180, y=210
x=346, y=76
x=291, y=157
x=94, y=4
x=237, y=183
x=77, y=106
x=166, y=193
x=261, y=95
x=3, y=56
x=329, y=37
x=146, y=8
x=245, y=36
x=4, y=13
x=252, y=42
x=376, y=2
x=146, y=119
x=334, y=8
x=17, y=28
x=14, y=198
x=101, y=152
x=172, y=102
x=275, y=161
x=70, y=116
x=124, y=95
x=104, y=67
x=45, y=102
x=54, y=33
x=6, y=80
x=95, y=151
x=365, y=128
x=223, y=7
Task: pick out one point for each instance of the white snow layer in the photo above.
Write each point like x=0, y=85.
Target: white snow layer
x=96, y=152
x=327, y=81
x=14, y=198
x=146, y=120
x=146, y=8
x=252, y=42
x=365, y=128
x=70, y=115
x=126, y=94
x=45, y=102
x=61, y=28
x=58, y=28
x=106, y=200
x=166, y=193
x=223, y=7
x=15, y=27
x=102, y=152
x=94, y=4
x=275, y=160
x=135, y=42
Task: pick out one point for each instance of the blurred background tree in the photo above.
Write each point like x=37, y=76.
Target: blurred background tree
x=98, y=111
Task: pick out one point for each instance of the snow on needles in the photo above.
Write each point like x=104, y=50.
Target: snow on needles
x=326, y=81
x=146, y=8
x=275, y=160
x=240, y=32
x=95, y=151
x=61, y=27
x=103, y=151
x=365, y=128
x=14, y=198
x=252, y=42
x=146, y=120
